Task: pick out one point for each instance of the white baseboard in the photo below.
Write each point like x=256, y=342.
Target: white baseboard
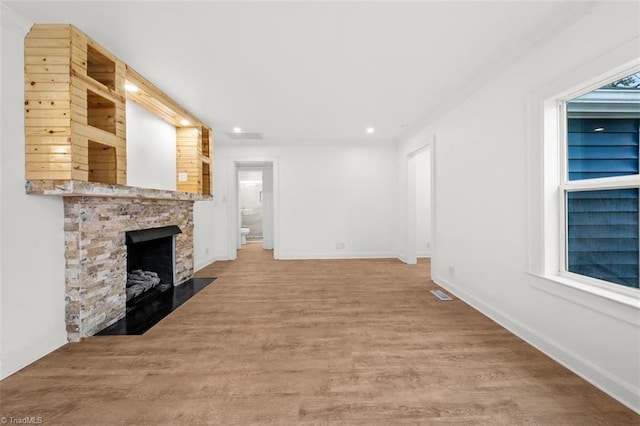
x=25, y=357
x=420, y=255
x=208, y=261
x=337, y=256
x=619, y=389
x=205, y=262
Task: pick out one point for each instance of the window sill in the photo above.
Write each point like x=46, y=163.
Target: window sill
x=609, y=302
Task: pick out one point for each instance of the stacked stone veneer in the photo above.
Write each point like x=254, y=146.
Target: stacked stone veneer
x=96, y=254
x=96, y=217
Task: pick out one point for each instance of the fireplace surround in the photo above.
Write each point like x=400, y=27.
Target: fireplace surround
x=96, y=219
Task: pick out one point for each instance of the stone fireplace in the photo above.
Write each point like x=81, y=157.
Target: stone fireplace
x=96, y=220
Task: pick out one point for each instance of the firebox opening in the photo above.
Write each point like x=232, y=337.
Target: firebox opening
x=150, y=263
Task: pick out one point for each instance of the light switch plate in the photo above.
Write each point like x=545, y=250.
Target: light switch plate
x=182, y=177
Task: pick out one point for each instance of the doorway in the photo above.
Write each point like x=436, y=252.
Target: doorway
x=250, y=201
x=253, y=205
x=420, y=196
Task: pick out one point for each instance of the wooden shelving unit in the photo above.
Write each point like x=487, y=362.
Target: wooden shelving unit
x=194, y=159
x=75, y=101
x=74, y=108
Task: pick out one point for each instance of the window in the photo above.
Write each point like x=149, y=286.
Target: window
x=599, y=184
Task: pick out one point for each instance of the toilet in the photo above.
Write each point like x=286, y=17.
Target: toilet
x=243, y=235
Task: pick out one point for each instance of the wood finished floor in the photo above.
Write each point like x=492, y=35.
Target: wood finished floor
x=309, y=342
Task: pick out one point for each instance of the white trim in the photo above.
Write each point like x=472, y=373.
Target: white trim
x=604, y=300
x=621, y=390
x=338, y=256
x=563, y=276
x=18, y=361
x=233, y=212
x=614, y=182
x=545, y=169
x=204, y=263
x=411, y=254
x=544, y=227
x=13, y=21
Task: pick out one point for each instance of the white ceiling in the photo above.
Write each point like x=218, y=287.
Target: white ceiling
x=312, y=72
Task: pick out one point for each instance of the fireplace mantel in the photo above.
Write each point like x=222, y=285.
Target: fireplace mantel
x=77, y=188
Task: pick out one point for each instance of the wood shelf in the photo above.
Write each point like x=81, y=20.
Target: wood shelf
x=75, y=113
x=74, y=103
x=194, y=159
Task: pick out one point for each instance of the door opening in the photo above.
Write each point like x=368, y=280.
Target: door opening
x=253, y=211
x=419, y=204
x=250, y=201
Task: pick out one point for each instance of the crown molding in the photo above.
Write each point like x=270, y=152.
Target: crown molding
x=13, y=21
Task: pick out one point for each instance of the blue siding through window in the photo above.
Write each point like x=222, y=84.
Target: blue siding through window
x=603, y=225
x=610, y=152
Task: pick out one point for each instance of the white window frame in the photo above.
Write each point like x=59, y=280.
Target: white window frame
x=547, y=153
x=566, y=186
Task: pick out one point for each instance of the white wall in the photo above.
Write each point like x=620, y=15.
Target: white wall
x=203, y=233
x=327, y=195
x=481, y=209
x=32, y=228
x=32, y=263
x=151, y=150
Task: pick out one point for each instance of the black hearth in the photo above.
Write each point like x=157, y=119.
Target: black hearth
x=151, y=262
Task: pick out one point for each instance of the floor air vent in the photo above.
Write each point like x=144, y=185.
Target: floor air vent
x=441, y=295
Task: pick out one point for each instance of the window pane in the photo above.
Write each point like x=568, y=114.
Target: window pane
x=603, y=235
x=612, y=151
x=603, y=131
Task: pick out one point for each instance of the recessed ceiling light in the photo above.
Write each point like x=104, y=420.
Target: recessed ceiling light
x=184, y=122
x=370, y=130
x=130, y=87
x=237, y=130
x=598, y=129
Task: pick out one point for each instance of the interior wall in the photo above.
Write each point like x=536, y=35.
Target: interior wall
x=204, y=215
x=481, y=209
x=151, y=163
x=151, y=150
x=32, y=304
x=32, y=227
x=328, y=196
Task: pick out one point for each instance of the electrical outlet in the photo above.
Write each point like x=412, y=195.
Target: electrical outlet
x=182, y=177
x=340, y=246
x=451, y=270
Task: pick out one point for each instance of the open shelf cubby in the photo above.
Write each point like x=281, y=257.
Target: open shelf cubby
x=100, y=67
x=101, y=112
x=102, y=163
x=206, y=179
x=81, y=135
x=206, y=148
